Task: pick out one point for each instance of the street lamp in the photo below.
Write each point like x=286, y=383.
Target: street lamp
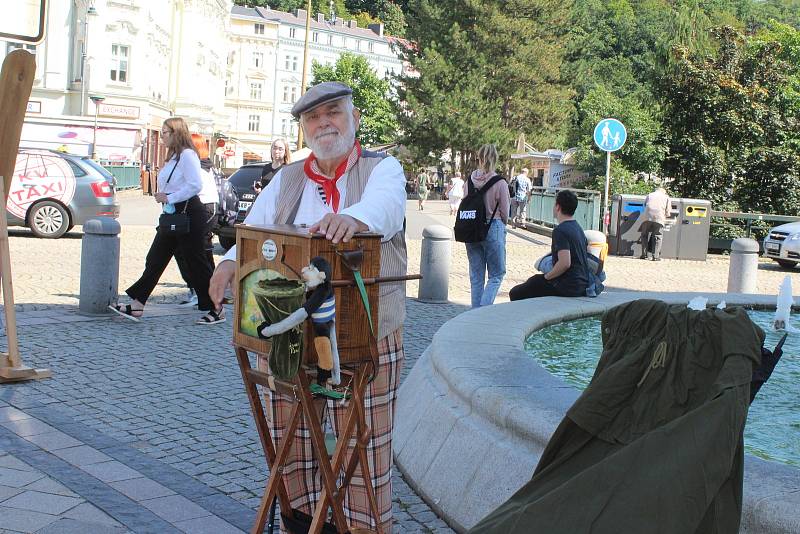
x=97, y=100
x=91, y=12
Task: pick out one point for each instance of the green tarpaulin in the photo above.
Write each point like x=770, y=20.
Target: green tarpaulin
x=655, y=442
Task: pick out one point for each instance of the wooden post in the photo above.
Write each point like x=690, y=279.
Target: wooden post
x=16, y=80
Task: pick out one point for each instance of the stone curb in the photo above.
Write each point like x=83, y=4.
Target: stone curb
x=475, y=413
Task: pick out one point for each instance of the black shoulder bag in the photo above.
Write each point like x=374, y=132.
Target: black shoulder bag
x=174, y=223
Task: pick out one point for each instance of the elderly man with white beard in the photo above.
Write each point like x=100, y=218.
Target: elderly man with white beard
x=338, y=191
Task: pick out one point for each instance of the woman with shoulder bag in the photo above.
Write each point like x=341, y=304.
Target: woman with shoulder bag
x=281, y=155
x=181, y=228
x=488, y=257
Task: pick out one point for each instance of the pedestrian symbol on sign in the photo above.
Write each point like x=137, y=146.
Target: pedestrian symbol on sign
x=610, y=135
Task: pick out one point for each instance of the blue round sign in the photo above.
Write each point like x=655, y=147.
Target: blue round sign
x=610, y=135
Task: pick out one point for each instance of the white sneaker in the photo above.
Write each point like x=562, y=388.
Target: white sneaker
x=190, y=302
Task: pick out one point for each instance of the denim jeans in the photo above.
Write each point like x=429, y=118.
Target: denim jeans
x=488, y=255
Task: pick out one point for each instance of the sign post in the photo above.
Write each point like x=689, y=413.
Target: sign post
x=609, y=135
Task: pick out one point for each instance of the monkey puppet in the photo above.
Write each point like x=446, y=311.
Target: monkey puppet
x=321, y=307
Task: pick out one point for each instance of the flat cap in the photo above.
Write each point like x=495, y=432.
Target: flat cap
x=318, y=95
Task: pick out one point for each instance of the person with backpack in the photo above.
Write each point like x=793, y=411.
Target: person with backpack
x=569, y=276
x=481, y=225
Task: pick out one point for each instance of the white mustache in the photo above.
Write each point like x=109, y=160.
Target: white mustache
x=329, y=131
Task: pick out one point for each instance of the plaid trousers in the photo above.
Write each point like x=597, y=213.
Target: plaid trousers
x=301, y=474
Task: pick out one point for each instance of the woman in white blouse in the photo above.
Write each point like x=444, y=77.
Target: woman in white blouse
x=179, y=183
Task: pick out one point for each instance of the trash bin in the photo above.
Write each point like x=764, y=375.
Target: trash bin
x=597, y=243
x=685, y=236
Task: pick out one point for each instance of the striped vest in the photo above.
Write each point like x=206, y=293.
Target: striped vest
x=392, y=296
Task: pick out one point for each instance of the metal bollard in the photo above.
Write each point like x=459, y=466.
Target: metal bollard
x=743, y=269
x=99, y=265
x=434, y=264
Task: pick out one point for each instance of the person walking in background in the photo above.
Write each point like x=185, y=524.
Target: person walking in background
x=656, y=212
x=281, y=155
x=209, y=196
x=569, y=276
x=488, y=255
x=455, y=192
x=422, y=189
x=522, y=194
x=179, y=183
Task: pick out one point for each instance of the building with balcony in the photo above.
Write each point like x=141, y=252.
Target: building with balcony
x=146, y=59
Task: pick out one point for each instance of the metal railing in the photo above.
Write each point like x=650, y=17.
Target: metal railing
x=540, y=207
x=128, y=177
x=753, y=225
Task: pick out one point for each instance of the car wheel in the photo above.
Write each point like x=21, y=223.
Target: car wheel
x=226, y=242
x=48, y=219
x=786, y=264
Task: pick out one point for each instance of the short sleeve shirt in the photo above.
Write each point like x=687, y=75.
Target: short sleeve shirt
x=569, y=236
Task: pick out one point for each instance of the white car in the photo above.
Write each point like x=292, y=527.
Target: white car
x=782, y=244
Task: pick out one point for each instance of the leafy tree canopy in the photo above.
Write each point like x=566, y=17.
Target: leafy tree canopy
x=371, y=95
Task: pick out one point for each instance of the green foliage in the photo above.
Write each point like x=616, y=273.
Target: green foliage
x=371, y=95
x=732, y=125
x=484, y=71
x=317, y=6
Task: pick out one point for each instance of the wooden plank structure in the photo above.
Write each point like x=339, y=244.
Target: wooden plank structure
x=16, y=81
x=287, y=249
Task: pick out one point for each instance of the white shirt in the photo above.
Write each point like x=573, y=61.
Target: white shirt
x=382, y=206
x=185, y=182
x=456, y=188
x=208, y=194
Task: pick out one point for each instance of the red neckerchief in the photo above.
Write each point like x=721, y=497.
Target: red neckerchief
x=329, y=184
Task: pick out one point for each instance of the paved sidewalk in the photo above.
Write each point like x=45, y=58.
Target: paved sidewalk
x=138, y=419
x=134, y=427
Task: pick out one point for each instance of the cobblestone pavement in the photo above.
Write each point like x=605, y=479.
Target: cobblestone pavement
x=164, y=397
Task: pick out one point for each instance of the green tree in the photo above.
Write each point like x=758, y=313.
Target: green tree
x=732, y=125
x=317, y=6
x=371, y=95
x=482, y=71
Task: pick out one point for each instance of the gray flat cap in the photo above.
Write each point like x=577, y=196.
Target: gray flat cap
x=318, y=95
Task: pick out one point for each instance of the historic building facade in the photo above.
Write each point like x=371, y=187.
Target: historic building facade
x=126, y=65
x=145, y=59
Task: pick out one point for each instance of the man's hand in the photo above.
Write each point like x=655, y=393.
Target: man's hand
x=161, y=197
x=221, y=279
x=338, y=227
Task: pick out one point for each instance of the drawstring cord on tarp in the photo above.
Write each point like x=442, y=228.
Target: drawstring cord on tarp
x=659, y=360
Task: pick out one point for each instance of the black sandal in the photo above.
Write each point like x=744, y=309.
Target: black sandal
x=212, y=317
x=127, y=311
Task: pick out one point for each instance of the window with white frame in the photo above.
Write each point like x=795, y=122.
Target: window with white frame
x=371, y=46
x=294, y=95
x=330, y=39
x=254, y=123
x=285, y=93
x=315, y=37
x=284, y=126
x=258, y=60
x=259, y=28
x=292, y=32
x=228, y=86
x=255, y=90
x=119, y=62
x=358, y=44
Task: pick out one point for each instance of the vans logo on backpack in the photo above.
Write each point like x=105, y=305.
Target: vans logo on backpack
x=464, y=215
x=472, y=223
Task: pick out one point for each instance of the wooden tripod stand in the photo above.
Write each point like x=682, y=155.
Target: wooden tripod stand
x=312, y=409
x=16, y=81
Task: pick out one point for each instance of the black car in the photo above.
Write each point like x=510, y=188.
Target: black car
x=242, y=181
